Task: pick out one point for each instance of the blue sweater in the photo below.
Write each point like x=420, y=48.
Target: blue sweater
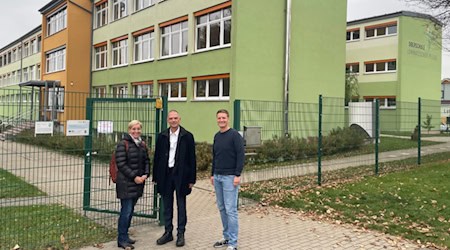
x=228, y=153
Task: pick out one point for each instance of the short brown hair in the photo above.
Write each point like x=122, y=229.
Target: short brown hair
x=224, y=111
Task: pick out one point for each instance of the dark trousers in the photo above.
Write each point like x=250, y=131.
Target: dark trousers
x=167, y=198
x=126, y=214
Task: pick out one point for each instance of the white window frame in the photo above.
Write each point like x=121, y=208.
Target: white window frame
x=375, y=71
x=141, y=42
x=142, y=4
x=55, y=60
x=26, y=49
x=350, y=68
x=383, y=104
x=119, y=53
x=100, y=92
x=117, y=11
x=101, y=15
x=221, y=96
x=143, y=91
x=119, y=91
x=386, y=32
x=34, y=48
x=38, y=72
x=352, y=34
x=59, y=98
x=32, y=72
x=101, y=57
x=57, y=21
x=171, y=34
x=179, y=85
x=25, y=74
x=208, y=25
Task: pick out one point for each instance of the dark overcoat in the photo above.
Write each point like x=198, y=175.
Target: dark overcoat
x=185, y=162
x=131, y=163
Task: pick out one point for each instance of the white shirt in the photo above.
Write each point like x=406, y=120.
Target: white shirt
x=173, y=139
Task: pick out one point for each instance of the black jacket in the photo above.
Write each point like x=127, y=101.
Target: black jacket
x=185, y=162
x=131, y=163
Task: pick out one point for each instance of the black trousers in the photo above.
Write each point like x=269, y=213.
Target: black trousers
x=167, y=198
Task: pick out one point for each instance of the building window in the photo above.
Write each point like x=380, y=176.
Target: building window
x=214, y=29
x=352, y=68
x=100, y=92
x=32, y=72
x=56, y=99
x=142, y=4
x=174, y=90
x=34, y=47
x=378, y=30
x=353, y=35
x=120, y=52
x=119, y=9
x=101, y=14
x=26, y=50
x=119, y=91
x=381, y=66
x=174, y=39
x=143, y=47
x=212, y=88
x=386, y=102
x=101, y=55
x=39, y=40
x=25, y=75
x=56, y=22
x=56, y=60
x=143, y=90
x=38, y=71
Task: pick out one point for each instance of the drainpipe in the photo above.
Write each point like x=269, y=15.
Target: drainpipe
x=286, y=68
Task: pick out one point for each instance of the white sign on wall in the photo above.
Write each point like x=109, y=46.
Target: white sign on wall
x=77, y=128
x=105, y=127
x=43, y=128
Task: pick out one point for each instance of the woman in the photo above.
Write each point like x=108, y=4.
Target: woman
x=133, y=169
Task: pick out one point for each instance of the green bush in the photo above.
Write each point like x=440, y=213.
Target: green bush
x=203, y=153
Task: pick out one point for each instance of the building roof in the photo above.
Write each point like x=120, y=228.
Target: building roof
x=35, y=30
x=395, y=14
x=50, y=6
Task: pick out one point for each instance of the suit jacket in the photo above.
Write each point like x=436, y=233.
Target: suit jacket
x=185, y=168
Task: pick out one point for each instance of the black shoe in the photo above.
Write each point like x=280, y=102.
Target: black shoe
x=180, y=240
x=167, y=236
x=131, y=241
x=125, y=245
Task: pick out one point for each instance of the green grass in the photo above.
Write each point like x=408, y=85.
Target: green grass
x=41, y=227
x=12, y=186
x=411, y=201
x=423, y=134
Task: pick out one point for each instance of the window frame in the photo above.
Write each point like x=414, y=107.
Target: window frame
x=119, y=52
x=138, y=46
x=183, y=32
x=101, y=14
x=138, y=89
x=375, y=63
x=60, y=98
x=208, y=79
x=385, y=101
x=57, y=21
x=138, y=6
x=100, y=52
x=209, y=23
x=351, y=66
x=59, y=56
x=180, y=84
x=100, y=92
x=120, y=13
x=380, y=26
x=119, y=91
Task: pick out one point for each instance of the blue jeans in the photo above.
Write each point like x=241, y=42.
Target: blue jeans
x=227, y=196
x=126, y=214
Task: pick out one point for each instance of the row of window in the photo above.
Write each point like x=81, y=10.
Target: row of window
x=119, y=9
x=17, y=98
x=205, y=89
x=213, y=30
x=380, y=30
x=373, y=66
x=30, y=47
x=55, y=98
x=32, y=72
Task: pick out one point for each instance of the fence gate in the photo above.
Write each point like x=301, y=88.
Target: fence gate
x=109, y=118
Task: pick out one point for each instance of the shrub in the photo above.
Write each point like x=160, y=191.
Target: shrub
x=203, y=153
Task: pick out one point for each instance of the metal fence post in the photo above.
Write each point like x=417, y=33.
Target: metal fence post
x=377, y=132
x=419, y=130
x=237, y=115
x=88, y=157
x=319, y=145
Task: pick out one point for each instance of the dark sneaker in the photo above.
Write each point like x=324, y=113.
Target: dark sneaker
x=125, y=245
x=221, y=243
x=131, y=241
x=180, y=240
x=167, y=236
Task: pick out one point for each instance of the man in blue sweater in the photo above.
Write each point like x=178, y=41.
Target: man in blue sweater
x=228, y=162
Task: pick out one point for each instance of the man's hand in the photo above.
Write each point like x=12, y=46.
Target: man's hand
x=237, y=180
x=212, y=180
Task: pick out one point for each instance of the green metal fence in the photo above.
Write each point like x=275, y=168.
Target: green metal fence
x=42, y=176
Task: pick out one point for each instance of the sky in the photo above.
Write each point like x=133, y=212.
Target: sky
x=21, y=16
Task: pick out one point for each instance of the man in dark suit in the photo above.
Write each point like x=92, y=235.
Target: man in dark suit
x=174, y=171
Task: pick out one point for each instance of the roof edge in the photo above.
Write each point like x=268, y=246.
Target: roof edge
x=396, y=14
x=11, y=44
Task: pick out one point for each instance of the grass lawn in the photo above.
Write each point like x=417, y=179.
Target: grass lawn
x=41, y=227
x=12, y=186
x=413, y=203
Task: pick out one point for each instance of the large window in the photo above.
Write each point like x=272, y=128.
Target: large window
x=101, y=14
x=385, y=29
x=352, y=68
x=214, y=28
x=143, y=90
x=120, y=52
x=100, y=92
x=143, y=46
x=141, y=4
x=32, y=72
x=175, y=90
x=56, y=60
x=119, y=91
x=101, y=55
x=353, y=34
x=119, y=9
x=56, y=99
x=381, y=66
x=174, y=39
x=26, y=49
x=25, y=75
x=57, y=21
x=34, y=47
x=212, y=87
x=386, y=102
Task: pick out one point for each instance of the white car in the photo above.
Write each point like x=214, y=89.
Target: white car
x=444, y=127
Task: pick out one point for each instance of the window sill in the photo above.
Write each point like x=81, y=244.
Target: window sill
x=212, y=48
x=380, y=72
x=211, y=100
x=143, y=61
x=56, y=71
x=351, y=41
x=173, y=56
x=177, y=100
x=119, y=66
x=100, y=69
x=375, y=37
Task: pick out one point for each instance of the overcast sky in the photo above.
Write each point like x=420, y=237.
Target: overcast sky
x=21, y=16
